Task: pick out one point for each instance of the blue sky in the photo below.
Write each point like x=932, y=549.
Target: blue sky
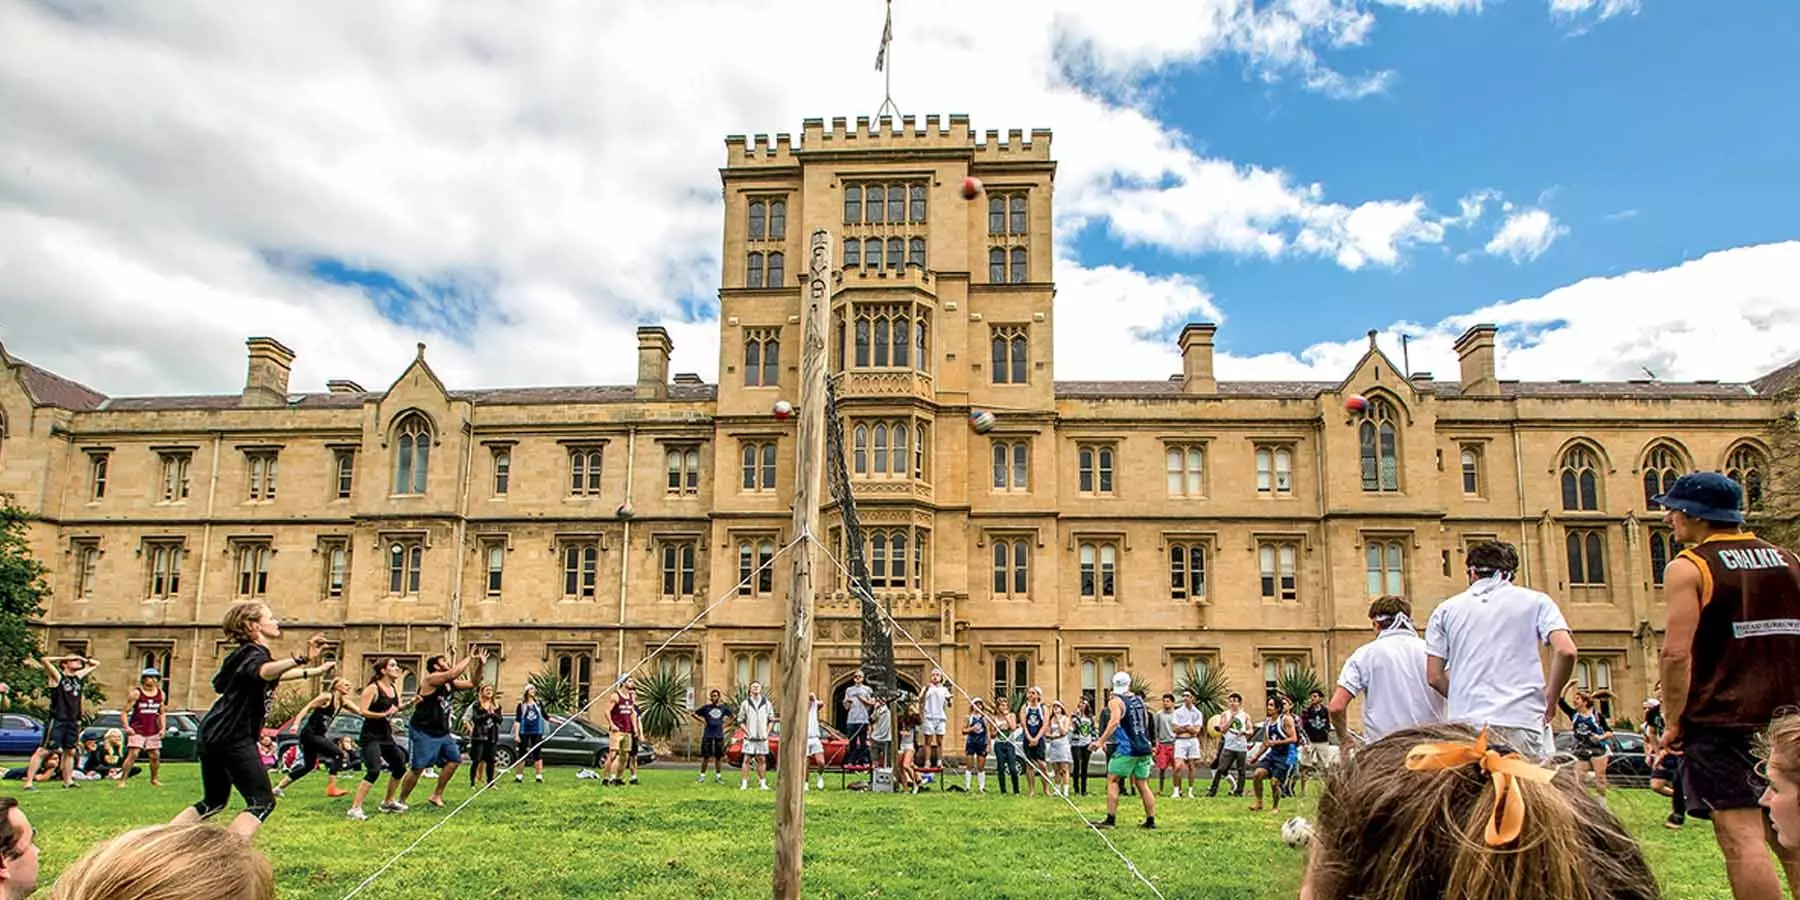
x=1609, y=181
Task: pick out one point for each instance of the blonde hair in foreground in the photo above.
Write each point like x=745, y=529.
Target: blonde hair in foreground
x=1386, y=832
x=169, y=862
x=1780, y=748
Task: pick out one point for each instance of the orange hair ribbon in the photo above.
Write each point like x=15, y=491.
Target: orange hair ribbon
x=1508, y=818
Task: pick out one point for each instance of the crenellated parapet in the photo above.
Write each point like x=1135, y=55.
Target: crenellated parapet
x=887, y=133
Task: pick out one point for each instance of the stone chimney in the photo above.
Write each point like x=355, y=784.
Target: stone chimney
x=267, y=382
x=1475, y=350
x=653, y=362
x=344, y=386
x=1197, y=358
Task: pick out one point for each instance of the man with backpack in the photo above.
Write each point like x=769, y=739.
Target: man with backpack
x=1128, y=729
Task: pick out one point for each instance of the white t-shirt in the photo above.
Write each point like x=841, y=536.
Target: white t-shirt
x=882, y=728
x=859, y=714
x=812, y=720
x=1488, y=638
x=1388, y=673
x=1236, y=730
x=1188, y=717
x=937, y=702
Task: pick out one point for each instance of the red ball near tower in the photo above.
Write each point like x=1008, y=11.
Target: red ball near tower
x=782, y=409
x=971, y=188
x=1356, y=403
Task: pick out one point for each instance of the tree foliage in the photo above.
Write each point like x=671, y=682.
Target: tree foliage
x=555, y=693
x=1777, y=518
x=23, y=590
x=662, y=702
x=1298, y=684
x=1209, y=686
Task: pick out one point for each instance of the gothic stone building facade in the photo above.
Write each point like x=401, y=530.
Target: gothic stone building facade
x=1151, y=526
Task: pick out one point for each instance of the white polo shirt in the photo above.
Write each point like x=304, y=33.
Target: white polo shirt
x=1189, y=717
x=1488, y=638
x=1388, y=673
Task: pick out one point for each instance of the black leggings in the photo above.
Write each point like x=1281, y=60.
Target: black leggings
x=378, y=754
x=313, y=748
x=235, y=765
x=1081, y=755
x=480, y=752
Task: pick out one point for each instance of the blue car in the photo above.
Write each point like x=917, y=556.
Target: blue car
x=20, y=734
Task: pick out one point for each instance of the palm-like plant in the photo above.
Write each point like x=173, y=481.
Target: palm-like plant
x=555, y=693
x=1209, y=686
x=1140, y=685
x=1298, y=684
x=662, y=702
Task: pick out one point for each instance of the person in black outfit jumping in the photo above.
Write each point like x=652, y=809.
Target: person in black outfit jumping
x=380, y=702
x=315, y=746
x=229, y=732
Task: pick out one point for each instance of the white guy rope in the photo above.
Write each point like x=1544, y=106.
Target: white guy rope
x=729, y=593
x=1042, y=772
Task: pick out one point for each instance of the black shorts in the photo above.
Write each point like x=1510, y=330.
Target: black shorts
x=62, y=734
x=1586, y=753
x=712, y=748
x=1668, y=769
x=530, y=749
x=1719, y=771
x=1035, y=752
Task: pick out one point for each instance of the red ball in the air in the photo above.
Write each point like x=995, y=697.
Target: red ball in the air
x=971, y=188
x=1356, y=403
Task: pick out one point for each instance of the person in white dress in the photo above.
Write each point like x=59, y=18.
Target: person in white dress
x=1058, y=753
x=815, y=742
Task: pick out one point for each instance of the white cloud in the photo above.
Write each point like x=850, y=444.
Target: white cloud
x=1525, y=234
x=1601, y=9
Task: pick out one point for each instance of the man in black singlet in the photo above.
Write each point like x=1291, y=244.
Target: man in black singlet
x=63, y=731
x=433, y=744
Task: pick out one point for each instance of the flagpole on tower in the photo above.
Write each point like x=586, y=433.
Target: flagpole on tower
x=883, y=65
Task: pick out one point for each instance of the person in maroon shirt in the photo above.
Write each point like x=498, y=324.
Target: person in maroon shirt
x=627, y=731
x=145, y=722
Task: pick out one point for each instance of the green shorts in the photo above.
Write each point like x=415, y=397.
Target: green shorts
x=1128, y=766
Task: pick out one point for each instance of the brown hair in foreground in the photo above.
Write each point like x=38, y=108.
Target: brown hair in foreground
x=169, y=862
x=239, y=618
x=1386, y=832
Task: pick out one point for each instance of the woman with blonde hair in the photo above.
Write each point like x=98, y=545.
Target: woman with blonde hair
x=228, y=734
x=315, y=745
x=1780, y=752
x=1059, y=754
x=170, y=862
x=483, y=718
x=1436, y=811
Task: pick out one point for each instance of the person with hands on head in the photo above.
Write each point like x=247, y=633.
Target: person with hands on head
x=229, y=732
x=63, y=731
x=433, y=742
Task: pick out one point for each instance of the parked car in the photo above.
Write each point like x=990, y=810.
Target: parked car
x=20, y=734
x=1626, y=764
x=582, y=743
x=287, y=737
x=180, y=740
x=836, y=745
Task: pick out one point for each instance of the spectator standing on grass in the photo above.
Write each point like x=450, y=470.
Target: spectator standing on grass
x=859, y=702
x=433, y=743
x=1005, y=743
x=1482, y=653
x=1128, y=756
x=1059, y=753
x=757, y=717
x=1234, y=746
x=936, y=711
x=63, y=732
x=18, y=852
x=229, y=731
x=975, y=745
x=1035, y=719
x=169, y=862
x=815, y=739
x=1082, y=732
x=1730, y=660
x=1164, y=755
x=528, y=735
x=712, y=718
x=483, y=718
x=627, y=732
x=1187, y=722
x=145, y=722
x=1389, y=674
x=1317, y=756
x=881, y=734
x=906, y=770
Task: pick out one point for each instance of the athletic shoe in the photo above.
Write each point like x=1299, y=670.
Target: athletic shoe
x=394, y=806
x=278, y=792
x=765, y=784
x=357, y=814
x=743, y=785
x=429, y=773
x=701, y=779
x=633, y=780
x=1190, y=793
x=519, y=779
x=1149, y=824
x=540, y=779
x=1102, y=823
x=1176, y=795
x=717, y=779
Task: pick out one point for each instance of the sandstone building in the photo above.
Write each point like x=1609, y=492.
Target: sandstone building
x=1150, y=526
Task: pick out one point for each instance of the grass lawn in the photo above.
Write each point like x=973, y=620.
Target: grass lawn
x=670, y=839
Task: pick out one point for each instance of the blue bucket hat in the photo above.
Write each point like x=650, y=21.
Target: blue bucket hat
x=1708, y=496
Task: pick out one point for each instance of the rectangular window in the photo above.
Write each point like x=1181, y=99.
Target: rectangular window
x=577, y=668
x=683, y=465
x=494, y=557
x=1012, y=568
x=253, y=570
x=762, y=357
x=97, y=466
x=1279, y=666
x=1012, y=465
x=1185, y=465
x=1099, y=570
x=87, y=566
x=750, y=666
x=1586, y=550
x=678, y=569
x=1095, y=468
x=758, y=465
x=1384, y=565
x=584, y=471
x=1274, y=471
x=175, y=476
x=405, y=560
x=1663, y=550
x=502, y=462
x=1187, y=570
x=261, y=467
x=490, y=670
x=581, y=570
x=1189, y=669
x=1278, y=562
x=1006, y=265
x=1096, y=677
x=1470, y=459
x=1009, y=354
x=1007, y=214
x=343, y=467
x=164, y=570
x=756, y=567
x=1594, y=674
x=1012, y=676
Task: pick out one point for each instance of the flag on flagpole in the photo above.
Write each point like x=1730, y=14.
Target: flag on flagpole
x=887, y=37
